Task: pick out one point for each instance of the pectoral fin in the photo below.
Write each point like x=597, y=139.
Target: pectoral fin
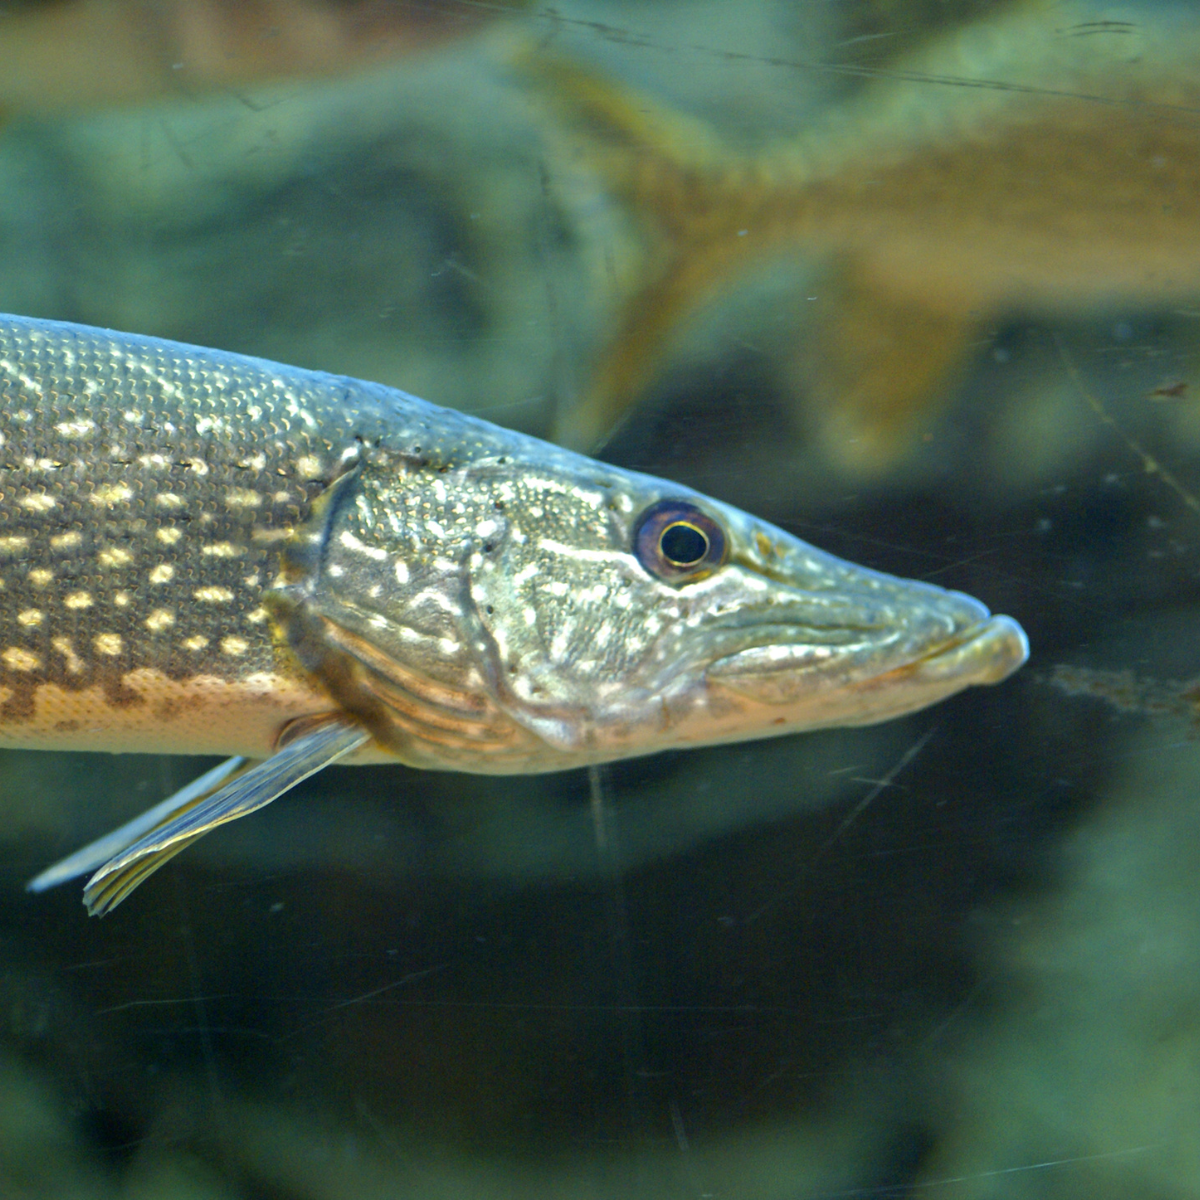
x=213, y=800
x=96, y=854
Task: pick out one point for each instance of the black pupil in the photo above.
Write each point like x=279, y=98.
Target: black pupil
x=683, y=545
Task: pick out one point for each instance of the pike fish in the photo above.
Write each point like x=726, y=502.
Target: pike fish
x=203, y=553
x=1039, y=159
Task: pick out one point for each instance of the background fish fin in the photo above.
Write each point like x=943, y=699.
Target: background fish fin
x=707, y=213
x=304, y=755
x=650, y=321
x=654, y=158
x=875, y=369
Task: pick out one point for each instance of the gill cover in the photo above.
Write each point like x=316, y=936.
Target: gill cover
x=374, y=600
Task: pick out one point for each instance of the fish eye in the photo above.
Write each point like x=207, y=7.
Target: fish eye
x=677, y=542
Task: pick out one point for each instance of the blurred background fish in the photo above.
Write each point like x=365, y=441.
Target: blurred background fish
x=1040, y=162
x=74, y=54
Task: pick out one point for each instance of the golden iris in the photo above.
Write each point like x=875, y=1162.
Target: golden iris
x=678, y=542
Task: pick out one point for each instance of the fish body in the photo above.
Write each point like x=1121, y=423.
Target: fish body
x=1039, y=160
x=147, y=491
x=90, y=53
x=207, y=553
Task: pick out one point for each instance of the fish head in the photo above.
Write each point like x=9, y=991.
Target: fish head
x=536, y=611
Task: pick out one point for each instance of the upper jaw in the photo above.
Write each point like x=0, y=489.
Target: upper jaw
x=892, y=639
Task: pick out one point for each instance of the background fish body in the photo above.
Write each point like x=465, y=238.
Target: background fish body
x=197, y=548
x=1039, y=161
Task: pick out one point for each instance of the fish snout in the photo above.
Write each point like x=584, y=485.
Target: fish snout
x=856, y=646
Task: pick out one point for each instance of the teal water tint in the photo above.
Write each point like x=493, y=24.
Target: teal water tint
x=954, y=955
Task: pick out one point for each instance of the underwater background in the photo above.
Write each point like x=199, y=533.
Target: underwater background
x=918, y=280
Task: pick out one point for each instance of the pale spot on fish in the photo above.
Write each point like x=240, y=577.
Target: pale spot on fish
x=264, y=536
x=575, y=552
x=160, y=619
x=243, y=498
x=40, y=576
x=234, y=646
x=352, y=543
x=31, y=616
x=66, y=541
x=18, y=659
x=67, y=650
x=223, y=550
x=401, y=570
x=430, y=596
x=195, y=644
x=109, y=495
x=109, y=644
x=168, y=535
x=75, y=429
x=163, y=573
x=37, y=502
x=168, y=500
x=78, y=600
x=10, y=545
x=114, y=556
x=213, y=595
x=122, y=599
x=309, y=466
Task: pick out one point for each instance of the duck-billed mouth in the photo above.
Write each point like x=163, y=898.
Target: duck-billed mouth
x=988, y=653
x=785, y=665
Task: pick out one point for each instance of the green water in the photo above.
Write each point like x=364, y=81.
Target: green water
x=952, y=956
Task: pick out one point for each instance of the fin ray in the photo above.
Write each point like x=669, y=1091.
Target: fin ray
x=253, y=789
x=95, y=854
